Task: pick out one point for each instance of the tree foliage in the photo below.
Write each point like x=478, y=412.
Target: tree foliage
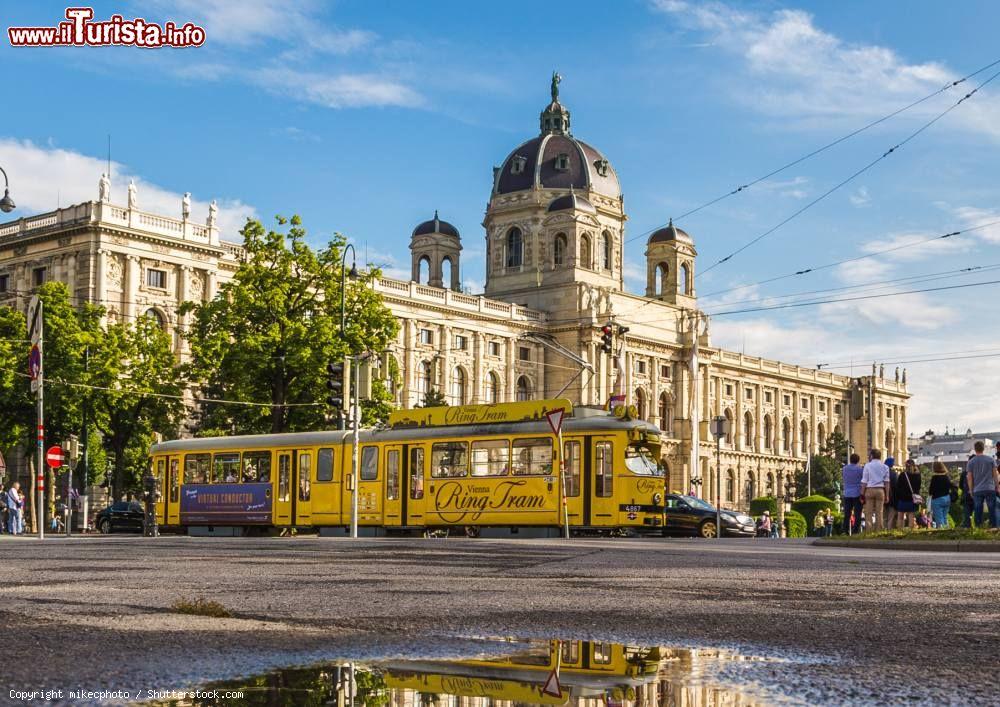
x=271, y=330
x=824, y=471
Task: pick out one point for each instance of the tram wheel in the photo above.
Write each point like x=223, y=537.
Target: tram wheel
x=707, y=529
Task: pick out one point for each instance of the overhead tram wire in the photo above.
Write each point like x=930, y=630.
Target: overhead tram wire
x=851, y=178
x=824, y=148
x=915, y=361
x=826, y=266
x=860, y=361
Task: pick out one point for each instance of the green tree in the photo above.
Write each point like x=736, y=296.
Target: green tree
x=16, y=406
x=137, y=387
x=433, y=398
x=271, y=330
x=824, y=472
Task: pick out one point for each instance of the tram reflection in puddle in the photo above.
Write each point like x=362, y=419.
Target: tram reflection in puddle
x=534, y=673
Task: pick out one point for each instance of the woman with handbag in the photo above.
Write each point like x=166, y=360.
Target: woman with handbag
x=940, y=492
x=908, y=497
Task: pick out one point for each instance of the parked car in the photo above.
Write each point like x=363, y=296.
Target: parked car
x=121, y=516
x=687, y=515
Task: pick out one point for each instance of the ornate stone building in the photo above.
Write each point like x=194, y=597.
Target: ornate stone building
x=555, y=234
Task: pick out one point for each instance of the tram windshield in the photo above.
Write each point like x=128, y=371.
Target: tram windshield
x=639, y=460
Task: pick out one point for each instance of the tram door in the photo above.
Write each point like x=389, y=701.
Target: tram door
x=392, y=511
x=304, y=480
x=160, y=472
x=283, y=490
x=414, y=488
x=603, y=509
x=573, y=482
x=172, y=496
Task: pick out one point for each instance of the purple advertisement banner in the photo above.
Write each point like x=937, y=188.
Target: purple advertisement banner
x=215, y=504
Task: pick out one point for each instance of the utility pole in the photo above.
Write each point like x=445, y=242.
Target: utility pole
x=720, y=427
x=355, y=451
x=36, y=318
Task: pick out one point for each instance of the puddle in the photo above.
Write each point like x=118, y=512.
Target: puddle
x=518, y=673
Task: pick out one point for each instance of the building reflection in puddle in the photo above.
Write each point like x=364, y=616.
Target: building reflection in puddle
x=577, y=673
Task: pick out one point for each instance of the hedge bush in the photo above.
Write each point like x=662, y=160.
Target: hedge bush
x=764, y=503
x=811, y=505
x=795, y=525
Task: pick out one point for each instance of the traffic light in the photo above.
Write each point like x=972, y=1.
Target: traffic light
x=622, y=330
x=335, y=385
x=607, y=335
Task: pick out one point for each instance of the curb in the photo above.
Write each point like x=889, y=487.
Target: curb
x=917, y=545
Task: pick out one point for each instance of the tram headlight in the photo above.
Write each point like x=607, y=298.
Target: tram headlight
x=657, y=498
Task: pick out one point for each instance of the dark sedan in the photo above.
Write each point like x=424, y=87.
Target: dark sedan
x=687, y=515
x=121, y=516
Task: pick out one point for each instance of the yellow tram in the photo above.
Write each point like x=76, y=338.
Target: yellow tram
x=486, y=469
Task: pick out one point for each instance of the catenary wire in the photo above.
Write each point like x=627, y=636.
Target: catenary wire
x=819, y=150
x=860, y=361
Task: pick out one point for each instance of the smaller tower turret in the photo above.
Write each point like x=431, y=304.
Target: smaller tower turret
x=434, y=246
x=670, y=258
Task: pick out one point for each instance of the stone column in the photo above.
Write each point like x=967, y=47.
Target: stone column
x=130, y=290
x=445, y=363
x=654, y=392
x=541, y=390
x=511, y=372
x=183, y=277
x=408, y=363
x=98, y=293
x=478, y=351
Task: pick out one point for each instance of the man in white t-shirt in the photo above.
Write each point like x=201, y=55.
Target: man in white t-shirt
x=874, y=488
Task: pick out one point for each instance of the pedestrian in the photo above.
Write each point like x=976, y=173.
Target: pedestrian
x=890, y=495
x=3, y=510
x=14, y=509
x=765, y=525
x=829, y=523
x=908, y=496
x=874, y=480
x=775, y=529
x=940, y=493
x=967, y=501
x=983, y=481
x=923, y=520
x=851, y=477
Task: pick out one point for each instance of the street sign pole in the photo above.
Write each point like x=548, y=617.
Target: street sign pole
x=35, y=321
x=355, y=450
x=555, y=420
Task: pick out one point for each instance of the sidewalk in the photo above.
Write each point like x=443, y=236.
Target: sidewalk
x=919, y=545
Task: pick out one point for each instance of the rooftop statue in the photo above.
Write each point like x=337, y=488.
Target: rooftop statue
x=556, y=78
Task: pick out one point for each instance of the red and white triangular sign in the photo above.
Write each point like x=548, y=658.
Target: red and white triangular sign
x=552, y=688
x=555, y=418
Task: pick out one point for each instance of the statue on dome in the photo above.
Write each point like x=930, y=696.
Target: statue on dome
x=186, y=205
x=213, y=213
x=133, y=201
x=104, y=188
x=556, y=79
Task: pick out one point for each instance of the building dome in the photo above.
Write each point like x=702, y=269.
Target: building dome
x=670, y=232
x=436, y=225
x=555, y=159
x=571, y=201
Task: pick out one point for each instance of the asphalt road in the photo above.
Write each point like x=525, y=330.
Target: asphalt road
x=849, y=625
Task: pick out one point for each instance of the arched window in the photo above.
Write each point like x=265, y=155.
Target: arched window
x=768, y=433
x=157, y=318
x=770, y=484
x=666, y=414
x=515, y=248
x=728, y=439
x=662, y=275
x=559, y=249
x=457, y=386
x=640, y=402
x=446, y=267
x=425, y=379
x=684, y=285
x=585, y=261
x=786, y=435
x=751, y=488
x=424, y=270
x=730, y=486
x=804, y=437
x=748, y=432
x=523, y=389
x=821, y=434
x=492, y=388
x=606, y=250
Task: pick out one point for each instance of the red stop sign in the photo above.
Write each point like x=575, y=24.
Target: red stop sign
x=54, y=457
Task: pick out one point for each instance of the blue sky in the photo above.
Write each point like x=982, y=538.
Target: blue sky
x=364, y=117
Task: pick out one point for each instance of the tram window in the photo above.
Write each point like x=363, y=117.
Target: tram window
x=570, y=649
x=392, y=475
x=449, y=460
x=161, y=477
x=226, y=468
x=284, y=476
x=602, y=653
x=571, y=453
x=604, y=470
x=305, y=469
x=369, y=463
x=490, y=457
x=324, y=464
x=532, y=456
x=196, y=468
x=416, y=473
x=256, y=467
x=175, y=482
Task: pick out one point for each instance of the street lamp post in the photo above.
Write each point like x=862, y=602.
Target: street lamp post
x=355, y=413
x=788, y=491
x=719, y=429
x=6, y=204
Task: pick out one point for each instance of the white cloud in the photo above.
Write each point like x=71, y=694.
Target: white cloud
x=793, y=188
x=337, y=90
x=909, y=250
x=972, y=216
x=797, y=70
x=860, y=197
x=42, y=177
